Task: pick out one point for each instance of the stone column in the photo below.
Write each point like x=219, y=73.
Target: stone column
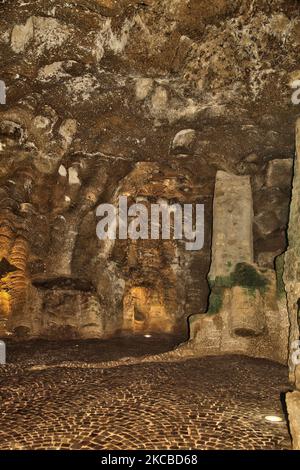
x=292, y=287
x=64, y=236
x=232, y=241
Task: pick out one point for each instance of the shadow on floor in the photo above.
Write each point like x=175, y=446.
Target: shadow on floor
x=112, y=349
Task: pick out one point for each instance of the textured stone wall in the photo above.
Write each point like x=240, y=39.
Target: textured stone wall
x=292, y=287
x=148, y=97
x=292, y=256
x=232, y=240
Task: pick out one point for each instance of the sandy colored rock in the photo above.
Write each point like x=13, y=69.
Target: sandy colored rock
x=293, y=406
x=247, y=312
x=96, y=93
x=183, y=141
x=232, y=227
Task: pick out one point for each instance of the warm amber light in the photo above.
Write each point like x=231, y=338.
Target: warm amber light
x=273, y=419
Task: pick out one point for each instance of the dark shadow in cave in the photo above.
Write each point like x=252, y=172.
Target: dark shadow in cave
x=91, y=351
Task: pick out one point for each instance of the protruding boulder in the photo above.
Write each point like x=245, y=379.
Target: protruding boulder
x=21, y=35
x=183, y=141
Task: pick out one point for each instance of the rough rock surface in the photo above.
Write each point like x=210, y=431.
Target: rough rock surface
x=292, y=256
x=232, y=240
x=245, y=314
x=203, y=403
x=293, y=404
x=292, y=287
x=98, y=94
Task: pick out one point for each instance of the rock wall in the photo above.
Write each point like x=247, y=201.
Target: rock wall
x=245, y=314
x=292, y=256
x=148, y=97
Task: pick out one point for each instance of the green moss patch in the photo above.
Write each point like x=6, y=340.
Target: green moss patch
x=244, y=275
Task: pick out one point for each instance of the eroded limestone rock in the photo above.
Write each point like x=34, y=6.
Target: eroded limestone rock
x=96, y=92
x=46, y=33
x=21, y=35
x=293, y=405
x=292, y=288
x=245, y=315
x=279, y=173
x=292, y=256
x=232, y=241
x=183, y=141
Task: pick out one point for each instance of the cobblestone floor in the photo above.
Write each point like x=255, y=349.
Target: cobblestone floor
x=207, y=403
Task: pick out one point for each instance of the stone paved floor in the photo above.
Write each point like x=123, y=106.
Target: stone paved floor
x=207, y=403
